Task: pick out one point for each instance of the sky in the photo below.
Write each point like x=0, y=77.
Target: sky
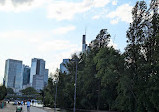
x=53, y=29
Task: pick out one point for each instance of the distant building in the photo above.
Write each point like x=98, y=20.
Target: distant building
x=13, y=76
x=38, y=82
x=37, y=68
x=46, y=77
x=63, y=65
x=38, y=74
x=26, y=76
x=84, y=45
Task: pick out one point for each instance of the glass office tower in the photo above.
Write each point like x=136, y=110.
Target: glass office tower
x=37, y=68
x=38, y=74
x=13, y=77
x=26, y=75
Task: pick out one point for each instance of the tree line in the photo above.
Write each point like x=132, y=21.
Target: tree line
x=111, y=80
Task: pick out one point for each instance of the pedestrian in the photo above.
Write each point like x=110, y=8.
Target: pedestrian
x=33, y=102
x=22, y=102
x=28, y=106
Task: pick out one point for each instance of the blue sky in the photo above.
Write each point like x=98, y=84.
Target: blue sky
x=53, y=29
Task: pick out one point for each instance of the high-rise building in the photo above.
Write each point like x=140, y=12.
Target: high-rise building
x=84, y=45
x=46, y=77
x=38, y=82
x=38, y=74
x=26, y=75
x=13, y=77
x=63, y=65
x=37, y=68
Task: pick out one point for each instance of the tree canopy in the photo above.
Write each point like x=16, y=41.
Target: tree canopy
x=29, y=91
x=111, y=80
x=3, y=92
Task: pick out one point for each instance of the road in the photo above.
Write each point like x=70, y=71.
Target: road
x=12, y=108
x=33, y=109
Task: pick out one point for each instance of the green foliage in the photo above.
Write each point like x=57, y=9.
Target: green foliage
x=3, y=92
x=101, y=41
x=29, y=91
x=48, y=94
x=10, y=91
x=98, y=74
x=109, y=80
x=109, y=64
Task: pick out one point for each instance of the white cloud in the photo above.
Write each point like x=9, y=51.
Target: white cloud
x=2, y=2
x=20, y=34
x=100, y=3
x=122, y=13
x=96, y=17
x=64, y=30
x=21, y=5
x=56, y=45
x=29, y=44
x=114, y=2
x=40, y=39
x=114, y=21
x=61, y=10
x=100, y=14
x=111, y=43
x=57, y=59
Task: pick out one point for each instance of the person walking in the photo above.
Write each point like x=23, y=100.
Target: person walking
x=22, y=102
x=28, y=106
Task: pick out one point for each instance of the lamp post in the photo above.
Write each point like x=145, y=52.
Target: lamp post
x=56, y=80
x=55, y=96
x=74, y=109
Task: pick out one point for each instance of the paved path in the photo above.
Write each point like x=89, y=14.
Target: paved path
x=33, y=109
x=8, y=108
x=12, y=108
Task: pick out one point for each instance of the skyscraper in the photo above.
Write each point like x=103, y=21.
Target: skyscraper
x=37, y=68
x=38, y=74
x=46, y=77
x=26, y=75
x=63, y=65
x=13, y=77
x=84, y=45
x=38, y=82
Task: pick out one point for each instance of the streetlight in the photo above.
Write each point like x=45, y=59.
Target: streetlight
x=55, y=96
x=56, y=80
x=74, y=109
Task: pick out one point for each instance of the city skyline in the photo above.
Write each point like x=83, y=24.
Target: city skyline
x=31, y=28
x=19, y=76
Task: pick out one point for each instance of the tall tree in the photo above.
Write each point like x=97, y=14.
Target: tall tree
x=134, y=78
x=109, y=64
x=101, y=41
x=3, y=92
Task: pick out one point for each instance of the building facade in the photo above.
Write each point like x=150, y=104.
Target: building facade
x=13, y=76
x=37, y=68
x=38, y=82
x=38, y=74
x=63, y=66
x=26, y=76
x=46, y=77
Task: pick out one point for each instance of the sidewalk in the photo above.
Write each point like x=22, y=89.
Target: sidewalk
x=33, y=109
x=8, y=108
x=12, y=108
